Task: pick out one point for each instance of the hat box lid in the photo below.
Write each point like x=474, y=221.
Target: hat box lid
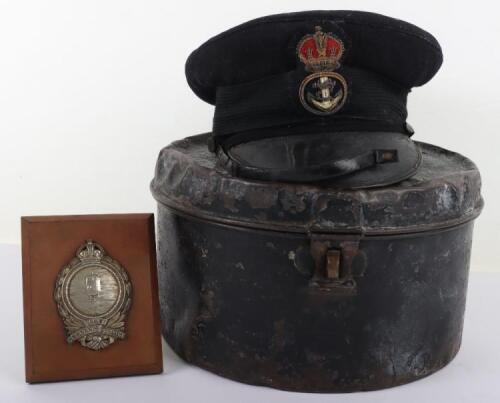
x=444, y=192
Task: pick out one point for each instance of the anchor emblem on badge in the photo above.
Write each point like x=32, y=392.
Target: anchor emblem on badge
x=324, y=91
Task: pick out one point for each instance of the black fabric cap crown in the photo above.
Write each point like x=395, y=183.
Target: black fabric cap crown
x=263, y=47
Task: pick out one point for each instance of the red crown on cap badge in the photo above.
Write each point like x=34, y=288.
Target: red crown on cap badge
x=320, y=51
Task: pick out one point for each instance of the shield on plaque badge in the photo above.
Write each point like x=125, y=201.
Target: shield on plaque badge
x=93, y=294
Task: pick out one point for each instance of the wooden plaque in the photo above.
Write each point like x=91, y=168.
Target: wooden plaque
x=82, y=320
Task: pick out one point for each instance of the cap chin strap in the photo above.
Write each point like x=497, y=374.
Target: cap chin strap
x=319, y=172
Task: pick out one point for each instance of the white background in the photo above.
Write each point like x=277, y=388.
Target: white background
x=91, y=90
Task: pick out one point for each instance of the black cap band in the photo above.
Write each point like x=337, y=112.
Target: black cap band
x=373, y=102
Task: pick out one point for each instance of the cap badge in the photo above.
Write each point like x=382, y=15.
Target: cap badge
x=323, y=92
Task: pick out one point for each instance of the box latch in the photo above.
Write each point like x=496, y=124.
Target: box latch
x=334, y=265
x=332, y=269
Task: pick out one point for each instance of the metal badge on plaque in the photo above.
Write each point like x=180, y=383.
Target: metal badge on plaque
x=93, y=295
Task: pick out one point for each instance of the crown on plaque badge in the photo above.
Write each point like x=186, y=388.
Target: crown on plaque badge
x=324, y=91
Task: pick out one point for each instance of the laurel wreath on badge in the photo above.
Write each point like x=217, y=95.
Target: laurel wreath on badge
x=93, y=294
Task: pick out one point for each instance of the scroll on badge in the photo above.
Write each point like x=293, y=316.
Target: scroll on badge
x=93, y=294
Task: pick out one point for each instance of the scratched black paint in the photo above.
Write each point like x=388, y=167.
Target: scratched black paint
x=237, y=280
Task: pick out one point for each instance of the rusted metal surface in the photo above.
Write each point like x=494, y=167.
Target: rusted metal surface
x=310, y=288
x=241, y=303
x=444, y=192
